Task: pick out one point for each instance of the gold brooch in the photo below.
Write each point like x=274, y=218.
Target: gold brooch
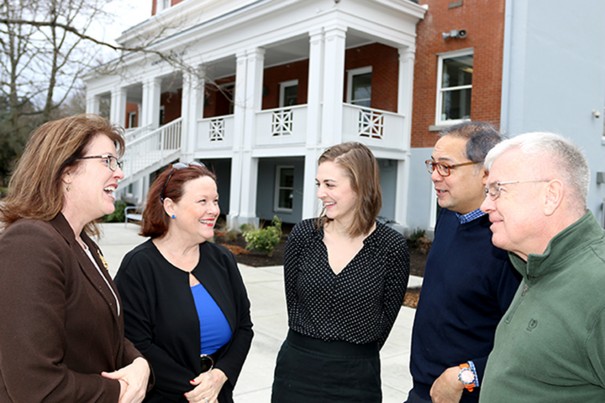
x=103, y=260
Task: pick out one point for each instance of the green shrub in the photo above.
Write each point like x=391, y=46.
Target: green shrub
x=118, y=213
x=264, y=239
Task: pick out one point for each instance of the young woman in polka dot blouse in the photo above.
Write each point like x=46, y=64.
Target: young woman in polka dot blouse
x=345, y=277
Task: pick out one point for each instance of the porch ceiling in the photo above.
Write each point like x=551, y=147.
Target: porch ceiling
x=279, y=53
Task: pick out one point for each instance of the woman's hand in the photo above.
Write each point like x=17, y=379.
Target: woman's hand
x=208, y=386
x=133, y=380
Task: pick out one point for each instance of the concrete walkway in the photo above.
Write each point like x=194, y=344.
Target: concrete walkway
x=266, y=292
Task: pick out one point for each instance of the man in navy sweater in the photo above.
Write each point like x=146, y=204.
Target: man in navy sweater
x=468, y=283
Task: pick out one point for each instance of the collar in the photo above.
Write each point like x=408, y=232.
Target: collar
x=468, y=217
x=563, y=248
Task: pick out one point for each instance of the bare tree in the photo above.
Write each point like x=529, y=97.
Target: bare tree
x=45, y=49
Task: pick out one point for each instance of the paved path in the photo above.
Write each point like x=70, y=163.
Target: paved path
x=266, y=292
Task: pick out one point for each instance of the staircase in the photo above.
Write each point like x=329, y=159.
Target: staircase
x=148, y=150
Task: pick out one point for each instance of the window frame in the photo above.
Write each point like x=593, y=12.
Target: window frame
x=132, y=117
x=350, y=76
x=278, y=170
x=282, y=92
x=439, y=104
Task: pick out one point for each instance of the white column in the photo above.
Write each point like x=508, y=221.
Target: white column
x=333, y=84
x=239, y=111
x=404, y=107
x=93, y=104
x=152, y=91
x=310, y=205
x=117, y=114
x=195, y=102
x=255, y=59
x=405, y=91
x=186, y=116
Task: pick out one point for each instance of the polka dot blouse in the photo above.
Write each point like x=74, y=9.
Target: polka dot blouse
x=358, y=305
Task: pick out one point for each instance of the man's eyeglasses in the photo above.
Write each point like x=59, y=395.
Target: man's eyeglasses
x=444, y=169
x=176, y=167
x=112, y=162
x=495, y=189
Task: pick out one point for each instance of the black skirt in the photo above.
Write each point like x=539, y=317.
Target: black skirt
x=312, y=370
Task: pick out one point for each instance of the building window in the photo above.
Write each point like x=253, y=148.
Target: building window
x=132, y=119
x=454, y=87
x=284, y=188
x=162, y=115
x=288, y=93
x=359, y=86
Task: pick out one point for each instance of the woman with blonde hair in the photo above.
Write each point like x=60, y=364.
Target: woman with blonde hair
x=62, y=334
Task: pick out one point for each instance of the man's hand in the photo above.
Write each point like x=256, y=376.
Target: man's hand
x=447, y=388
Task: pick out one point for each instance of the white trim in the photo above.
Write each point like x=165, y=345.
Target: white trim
x=350, y=75
x=282, y=90
x=439, y=106
x=131, y=117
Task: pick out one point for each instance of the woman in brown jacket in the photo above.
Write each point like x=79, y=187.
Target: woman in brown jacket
x=62, y=333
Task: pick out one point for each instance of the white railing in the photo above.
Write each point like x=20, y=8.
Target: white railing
x=132, y=134
x=215, y=133
x=156, y=147
x=286, y=125
x=374, y=127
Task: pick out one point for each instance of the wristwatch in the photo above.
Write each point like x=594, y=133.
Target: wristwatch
x=467, y=377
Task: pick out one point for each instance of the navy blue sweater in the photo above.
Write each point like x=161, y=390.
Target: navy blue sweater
x=467, y=287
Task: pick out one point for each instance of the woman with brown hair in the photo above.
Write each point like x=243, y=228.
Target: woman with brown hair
x=345, y=278
x=185, y=303
x=62, y=334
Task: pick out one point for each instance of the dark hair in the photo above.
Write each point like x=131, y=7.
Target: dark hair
x=482, y=137
x=168, y=185
x=362, y=169
x=35, y=188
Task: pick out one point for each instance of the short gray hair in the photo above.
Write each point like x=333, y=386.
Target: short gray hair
x=574, y=169
x=481, y=136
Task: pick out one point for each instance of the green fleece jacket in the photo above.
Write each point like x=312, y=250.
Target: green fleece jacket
x=550, y=345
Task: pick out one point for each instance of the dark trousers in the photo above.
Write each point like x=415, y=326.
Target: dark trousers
x=312, y=370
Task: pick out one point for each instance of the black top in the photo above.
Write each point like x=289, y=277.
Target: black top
x=360, y=304
x=161, y=319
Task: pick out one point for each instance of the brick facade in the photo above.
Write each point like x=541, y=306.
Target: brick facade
x=484, y=22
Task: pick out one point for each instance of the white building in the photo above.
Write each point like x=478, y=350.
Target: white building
x=265, y=86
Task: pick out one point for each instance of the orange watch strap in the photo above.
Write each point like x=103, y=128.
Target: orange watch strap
x=470, y=387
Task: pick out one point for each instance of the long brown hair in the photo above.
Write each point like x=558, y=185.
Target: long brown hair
x=362, y=169
x=169, y=184
x=35, y=189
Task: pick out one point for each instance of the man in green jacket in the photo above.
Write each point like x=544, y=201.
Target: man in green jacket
x=550, y=345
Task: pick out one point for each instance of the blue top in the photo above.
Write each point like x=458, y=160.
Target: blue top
x=468, y=285
x=214, y=328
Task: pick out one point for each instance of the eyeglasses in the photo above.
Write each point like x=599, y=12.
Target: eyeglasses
x=444, y=169
x=176, y=167
x=495, y=189
x=112, y=162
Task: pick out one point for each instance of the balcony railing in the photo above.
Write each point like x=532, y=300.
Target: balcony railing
x=374, y=127
x=215, y=133
x=288, y=126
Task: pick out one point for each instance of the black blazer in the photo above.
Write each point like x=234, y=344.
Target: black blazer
x=162, y=322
